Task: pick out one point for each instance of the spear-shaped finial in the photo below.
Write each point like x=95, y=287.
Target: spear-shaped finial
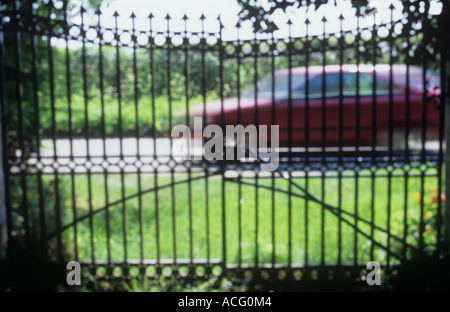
x=50, y=4
x=358, y=12
x=220, y=22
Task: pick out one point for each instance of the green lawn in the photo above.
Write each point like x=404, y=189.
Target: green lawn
x=177, y=209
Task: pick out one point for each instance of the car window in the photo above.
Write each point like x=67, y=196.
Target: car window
x=332, y=88
x=349, y=85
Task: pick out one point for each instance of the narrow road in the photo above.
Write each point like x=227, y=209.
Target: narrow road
x=110, y=155
x=114, y=155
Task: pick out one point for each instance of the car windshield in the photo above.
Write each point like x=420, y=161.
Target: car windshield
x=332, y=86
x=280, y=88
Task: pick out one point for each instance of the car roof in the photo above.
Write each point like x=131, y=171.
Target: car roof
x=346, y=68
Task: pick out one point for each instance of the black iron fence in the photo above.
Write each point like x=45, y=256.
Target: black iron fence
x=89, y=103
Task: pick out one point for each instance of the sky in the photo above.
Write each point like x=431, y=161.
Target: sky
x=229, y=9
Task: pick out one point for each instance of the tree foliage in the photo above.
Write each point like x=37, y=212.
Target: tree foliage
x=428, y=35
x=260, y=14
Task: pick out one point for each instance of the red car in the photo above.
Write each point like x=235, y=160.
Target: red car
x=331, y=102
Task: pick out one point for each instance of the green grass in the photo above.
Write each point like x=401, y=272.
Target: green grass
x=177, y=209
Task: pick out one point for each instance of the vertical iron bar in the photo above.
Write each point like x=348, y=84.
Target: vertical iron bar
x=307, y=22
x=391, y=86
x=105, y=159
x=340, y=138
x=274, y=121
x=6, y=224
x=255, y=48
x=169, y=96
x=86, y=130
x=407, y=93
x=406, y=135
x=445, y=103
x=54, y=137
x=203, y=64
x=240, y=220
x=155, y=175
x=443, y=63
x=306, y=117
x=390, y=131
x=138, y=139
x=273, y=221
x=21, y=128
x=357, y=129
x=186, y=90
x=423, y=138
x=324, y=46
x=119, y=100
x=238, y=76
x=42, y=224
x=222, y=117
x=405, y=214
x=290, y=129
x=374, y=136
x=445, y=96
x=388, y=221
x=86, y=133
x=289, y=110
x=69, y=114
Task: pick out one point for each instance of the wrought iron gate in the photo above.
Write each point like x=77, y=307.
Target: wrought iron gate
x=87, y=113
